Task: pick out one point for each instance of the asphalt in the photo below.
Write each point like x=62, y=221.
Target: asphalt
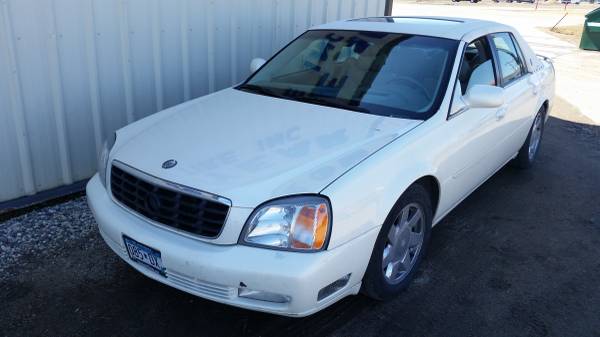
x=519, y=257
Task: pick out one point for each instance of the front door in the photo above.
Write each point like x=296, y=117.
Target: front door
x=471, y=135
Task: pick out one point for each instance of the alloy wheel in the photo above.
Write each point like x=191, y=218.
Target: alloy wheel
x=404, y=243
x=536, y=135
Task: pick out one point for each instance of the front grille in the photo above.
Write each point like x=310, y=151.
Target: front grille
x=171, y=208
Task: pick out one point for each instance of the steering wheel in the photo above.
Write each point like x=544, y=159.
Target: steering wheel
x=412, y=83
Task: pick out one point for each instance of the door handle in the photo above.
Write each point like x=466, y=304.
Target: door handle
x=500, y=113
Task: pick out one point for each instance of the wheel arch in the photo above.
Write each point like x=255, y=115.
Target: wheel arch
x=545, y=105
x=432, y=185
x=546, y=108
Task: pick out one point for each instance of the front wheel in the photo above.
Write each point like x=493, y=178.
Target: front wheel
x=400, y=246
x=530, y=148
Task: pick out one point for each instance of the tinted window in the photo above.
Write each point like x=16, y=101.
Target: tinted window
x=511, y=65
x=381, y=73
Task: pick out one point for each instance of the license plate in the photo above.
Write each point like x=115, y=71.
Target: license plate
x=145, y=255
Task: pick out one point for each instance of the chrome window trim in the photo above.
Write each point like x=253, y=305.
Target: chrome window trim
x=173, y=187
x=459, y=112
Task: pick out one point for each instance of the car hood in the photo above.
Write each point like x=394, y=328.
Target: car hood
x=251, y=148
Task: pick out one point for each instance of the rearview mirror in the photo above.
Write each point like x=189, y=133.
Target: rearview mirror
x=255, y=64
x=484, y=96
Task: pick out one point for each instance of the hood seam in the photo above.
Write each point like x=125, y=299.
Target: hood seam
x=367, y=157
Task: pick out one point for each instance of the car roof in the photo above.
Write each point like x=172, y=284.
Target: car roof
x=444, y=27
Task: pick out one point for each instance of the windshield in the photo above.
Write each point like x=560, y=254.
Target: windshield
x=387, y=74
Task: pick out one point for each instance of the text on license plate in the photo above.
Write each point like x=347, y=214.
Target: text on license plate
x=145, y=255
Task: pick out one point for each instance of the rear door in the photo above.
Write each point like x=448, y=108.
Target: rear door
x=516, y=116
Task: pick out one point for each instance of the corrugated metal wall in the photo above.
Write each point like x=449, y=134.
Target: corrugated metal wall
x=72, y=71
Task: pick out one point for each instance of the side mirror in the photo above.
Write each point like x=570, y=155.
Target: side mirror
x=255, y=64
x=484, y=96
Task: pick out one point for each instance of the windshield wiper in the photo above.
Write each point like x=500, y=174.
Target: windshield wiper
x=312, y=98
x=321, y=100
x=258, y=89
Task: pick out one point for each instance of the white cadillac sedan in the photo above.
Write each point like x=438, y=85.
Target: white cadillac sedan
x=323, y=173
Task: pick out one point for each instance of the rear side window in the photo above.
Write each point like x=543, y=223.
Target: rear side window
x=509, y=59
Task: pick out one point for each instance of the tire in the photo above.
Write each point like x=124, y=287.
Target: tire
x=529, y=151
x=376, y=284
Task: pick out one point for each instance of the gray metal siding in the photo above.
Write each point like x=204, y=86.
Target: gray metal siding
x=72, y=71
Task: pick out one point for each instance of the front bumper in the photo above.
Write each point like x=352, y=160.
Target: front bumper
x=216, y=272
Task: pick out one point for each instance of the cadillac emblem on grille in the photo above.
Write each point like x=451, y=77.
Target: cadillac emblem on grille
x=169, y=163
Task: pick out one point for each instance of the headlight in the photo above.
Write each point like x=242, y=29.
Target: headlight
x=300, y=223
x=103, y=157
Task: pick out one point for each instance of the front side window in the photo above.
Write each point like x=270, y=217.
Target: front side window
x=477, y=66
x=511, y=65
x=380, y=73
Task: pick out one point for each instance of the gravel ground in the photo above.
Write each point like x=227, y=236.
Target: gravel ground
x=43, y=231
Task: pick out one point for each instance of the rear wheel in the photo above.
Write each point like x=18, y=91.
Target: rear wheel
x=530, y=148
x=400, y=246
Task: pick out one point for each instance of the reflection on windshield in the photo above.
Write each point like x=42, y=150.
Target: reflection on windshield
x=373, y=72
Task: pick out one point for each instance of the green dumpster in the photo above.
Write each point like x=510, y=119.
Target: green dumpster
x=590, y=39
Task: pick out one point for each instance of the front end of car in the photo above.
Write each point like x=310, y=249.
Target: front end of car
x=281, y=262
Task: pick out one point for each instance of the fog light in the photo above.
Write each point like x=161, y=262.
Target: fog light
x=333, y=287
x=263, y=295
